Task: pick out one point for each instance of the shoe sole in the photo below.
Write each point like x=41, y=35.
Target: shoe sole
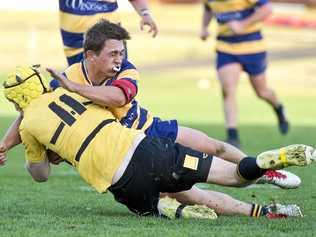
x=293, y=155
x=198, y=212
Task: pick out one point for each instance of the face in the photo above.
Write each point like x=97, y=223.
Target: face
x=109, y=61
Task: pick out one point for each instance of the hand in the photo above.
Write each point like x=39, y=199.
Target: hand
x=204, y=34
x=3, y=154
x=148, y=21
x=64, y=82
x=237, y=27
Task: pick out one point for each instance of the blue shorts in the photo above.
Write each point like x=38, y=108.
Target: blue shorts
x=163, y=129
x=253, y=64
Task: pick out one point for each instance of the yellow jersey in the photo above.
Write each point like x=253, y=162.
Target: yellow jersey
x=251, y=41
x=84, y=134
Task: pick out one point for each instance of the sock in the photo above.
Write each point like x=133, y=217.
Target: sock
x=232, y=133
x=258, y=210
x=279, y=112
x=249, y=170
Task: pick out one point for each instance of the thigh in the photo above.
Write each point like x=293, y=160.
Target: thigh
x=228, y=74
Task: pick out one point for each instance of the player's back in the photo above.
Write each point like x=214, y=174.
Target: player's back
x=80, y=132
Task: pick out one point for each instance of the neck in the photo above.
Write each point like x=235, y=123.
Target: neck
x=94, y=76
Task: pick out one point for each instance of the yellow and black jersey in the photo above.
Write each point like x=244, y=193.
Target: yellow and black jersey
x=78, y=16
x=84, y=134
x=251, y=41
x=132, y=115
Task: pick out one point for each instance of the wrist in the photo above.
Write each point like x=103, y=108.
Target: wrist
x=145, y=12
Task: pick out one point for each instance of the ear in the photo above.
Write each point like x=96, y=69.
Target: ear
x=90, y=55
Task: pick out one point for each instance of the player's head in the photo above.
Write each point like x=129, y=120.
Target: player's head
x=104, y=47
x=96, y=37
x=25, y=84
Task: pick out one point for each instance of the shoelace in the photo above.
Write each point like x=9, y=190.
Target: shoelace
x=270, y=174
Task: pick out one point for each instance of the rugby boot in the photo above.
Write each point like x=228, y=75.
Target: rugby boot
x=172, y=209
x=281, y=178
x=292, y=155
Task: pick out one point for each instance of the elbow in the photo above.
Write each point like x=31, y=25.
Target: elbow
x=40, y=179
x=119, y=101
x=39, y=172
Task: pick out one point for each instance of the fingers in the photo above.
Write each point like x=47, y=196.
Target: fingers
x=55, y=74
x=3, y=161
x=153, y=29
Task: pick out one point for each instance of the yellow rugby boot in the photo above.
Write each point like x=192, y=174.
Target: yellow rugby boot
x=292, y=155
x=172, y=209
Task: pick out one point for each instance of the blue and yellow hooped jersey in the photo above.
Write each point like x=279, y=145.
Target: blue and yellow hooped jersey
x=131, y=115
x=251, y=41
x=77, y=16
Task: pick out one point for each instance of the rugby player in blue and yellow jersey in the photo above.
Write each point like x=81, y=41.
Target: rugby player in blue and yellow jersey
x=104, y=64
x=76, y=16
x=240, y=47
x=134, y=167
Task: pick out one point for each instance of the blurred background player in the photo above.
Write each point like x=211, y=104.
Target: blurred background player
x=78, y=16
x=240, y=47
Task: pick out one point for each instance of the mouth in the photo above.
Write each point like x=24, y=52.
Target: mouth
x=116, y=68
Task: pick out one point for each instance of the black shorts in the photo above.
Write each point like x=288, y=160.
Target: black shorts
x=159, y=165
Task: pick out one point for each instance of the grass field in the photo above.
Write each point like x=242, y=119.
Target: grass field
x=178, y=81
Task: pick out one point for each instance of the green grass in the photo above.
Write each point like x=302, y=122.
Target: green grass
x=66, y=206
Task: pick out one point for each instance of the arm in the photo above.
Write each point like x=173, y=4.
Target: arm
x=141, y=7
x=259, y=15
x=10, y=139
x=37, y=163
x=206, y=19
x=38, y=171
x=111, y=96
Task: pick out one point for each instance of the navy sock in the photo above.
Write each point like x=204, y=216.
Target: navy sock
x=249, y=170
x=232, y=133
x=280, y=112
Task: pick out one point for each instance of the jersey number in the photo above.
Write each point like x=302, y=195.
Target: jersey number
x=64, y=115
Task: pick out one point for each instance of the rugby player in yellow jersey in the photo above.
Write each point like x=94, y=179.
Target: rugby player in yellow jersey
x=240, y=47
x=134, y=167
x=78, y=16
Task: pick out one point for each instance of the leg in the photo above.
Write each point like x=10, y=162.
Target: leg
x=223, y=204
x=199, y=141
x=229, y=76
x=259, y=84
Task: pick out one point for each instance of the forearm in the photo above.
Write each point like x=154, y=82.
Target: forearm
x=260, y=15
x=12, y=136
x=206, y=17
x=109, y=96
